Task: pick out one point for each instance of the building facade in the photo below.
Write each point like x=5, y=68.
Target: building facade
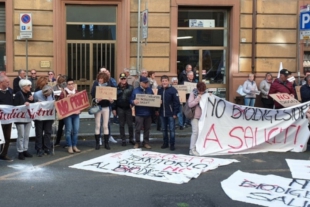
x=223, y=40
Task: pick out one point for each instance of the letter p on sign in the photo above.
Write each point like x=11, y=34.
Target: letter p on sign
x=305, y=19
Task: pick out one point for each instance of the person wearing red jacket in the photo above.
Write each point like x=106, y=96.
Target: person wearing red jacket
x=282, y=85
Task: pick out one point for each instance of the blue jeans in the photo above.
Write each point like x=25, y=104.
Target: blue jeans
x=72, y=125
x=180, y=117
x=249, y=101
x=165, y=121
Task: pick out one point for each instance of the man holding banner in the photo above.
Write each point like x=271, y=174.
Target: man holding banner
x=6, y=98
x=143, y=113
x=168, y=111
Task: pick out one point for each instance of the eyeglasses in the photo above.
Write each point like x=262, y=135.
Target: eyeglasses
x=70, y=84
x=33, y=73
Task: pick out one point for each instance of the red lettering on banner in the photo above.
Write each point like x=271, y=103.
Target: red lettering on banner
x=78, y=100
x=283, y=96
x=212, y=139
x=251, y=136
x=63, y=107
x=233, y=136
x=176, y=169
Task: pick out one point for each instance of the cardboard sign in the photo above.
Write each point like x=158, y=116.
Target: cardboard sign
x=106, y=92
x=155, y=91
x=297, y=88
x=190, y=86
x=71, y=105
x=182, y=96
x=284, y=99
x=148, y=100
x=180, y=87
x=52, y=83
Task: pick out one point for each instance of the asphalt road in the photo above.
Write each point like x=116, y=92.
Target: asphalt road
x=48, y=181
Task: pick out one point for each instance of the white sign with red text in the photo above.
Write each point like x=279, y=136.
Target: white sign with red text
x=227, y=128
x=300, y=169
x=37, y=111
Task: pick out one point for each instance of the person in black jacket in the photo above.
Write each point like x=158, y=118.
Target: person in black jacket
x=305, y=91
x=6, y=98
x=168, y=111
x=122, y=108
x=104, y=114
x=21, y=75
x=23, y=97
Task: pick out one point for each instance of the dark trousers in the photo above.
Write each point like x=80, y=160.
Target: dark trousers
x=6, y=128
x=145, y=123
x=43, y=134
x=125, y=116
x=61, y=124
x=168, y=122
x=267, y=103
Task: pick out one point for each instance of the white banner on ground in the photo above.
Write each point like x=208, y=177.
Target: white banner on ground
x=2, y=140
x=300, y=169
x=37, y=111
x=170, y=168
x=228, y=128
x=267, y=190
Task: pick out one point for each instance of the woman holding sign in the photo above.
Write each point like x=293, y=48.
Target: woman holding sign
x=104, y=113
x=72, y=122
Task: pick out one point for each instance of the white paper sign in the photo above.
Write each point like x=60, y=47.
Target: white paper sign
x=228, y=128
x=267, y=190
x=300, y=169
x=2, y=140
x=170, y=168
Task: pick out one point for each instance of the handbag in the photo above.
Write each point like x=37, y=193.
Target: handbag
x=189, y=113
x=240, y=91
x=94, y=109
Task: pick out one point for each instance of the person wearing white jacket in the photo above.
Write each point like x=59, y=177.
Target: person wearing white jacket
x=250, y=89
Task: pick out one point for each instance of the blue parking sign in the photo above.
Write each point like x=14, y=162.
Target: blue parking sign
x=304, y=21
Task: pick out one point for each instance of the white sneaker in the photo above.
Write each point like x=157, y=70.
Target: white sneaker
x=193, y=152
x=111, y=139
x=100, y=141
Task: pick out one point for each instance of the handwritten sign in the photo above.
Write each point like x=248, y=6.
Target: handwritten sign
x=300, y=168
x=169, y=168
x=2, y=140
x=267, y=190
x=284, y=99
x=72, y=105
x=182, y=96
x=190, y=86
x=106, y=92
x=180, y=87
x=148, y=100
x=229, y=128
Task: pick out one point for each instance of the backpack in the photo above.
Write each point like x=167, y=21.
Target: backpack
x=189, y=112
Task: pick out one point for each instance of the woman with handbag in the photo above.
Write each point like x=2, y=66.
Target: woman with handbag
x=193, y=101
x=72, y=122
x=104, y=113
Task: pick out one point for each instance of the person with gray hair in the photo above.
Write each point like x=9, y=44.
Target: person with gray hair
x=42, y=142
x=130, y=79
x=23, y=97
x=143, y=73
x=21, y=75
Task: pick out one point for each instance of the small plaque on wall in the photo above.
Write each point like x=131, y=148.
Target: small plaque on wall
x=45, y=64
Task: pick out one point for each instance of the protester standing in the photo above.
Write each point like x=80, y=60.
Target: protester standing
x=264, y=87
x=250, y=89
x=193, y=101
x=51, y=76
x=72, y=122
x=122, y=108
x=33, y=78
x=21, y=75
x=104, y=113
x=23, y=97
x=41, y=82
x=169, y=108
x=305, y=90
x=6, y=98
x=130, y=79
x=143, y=113
x=152, y=80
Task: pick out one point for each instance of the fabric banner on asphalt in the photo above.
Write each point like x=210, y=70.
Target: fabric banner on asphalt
x=267, y=190
x=170, y=168
x=37, y=111
x=227, y=128
x=2, y=140
x=300, y=169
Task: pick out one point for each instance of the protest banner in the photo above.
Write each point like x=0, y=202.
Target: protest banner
x=72, y=104
x=267, y=190
x=169, y=168
x=300, y=169
x=36, y=111
x=284, y=99
x=2, y=140
x=148, y=100
x=180, y=87
x=190, y=86
x=106, y=92
x=182, y=96
x=227, y=128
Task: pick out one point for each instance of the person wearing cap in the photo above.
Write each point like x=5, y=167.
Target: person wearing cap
x=122, y=108
x=250, y=89
x=23, y=97
x=143, y=113
x=282, y=85
x=43, y=127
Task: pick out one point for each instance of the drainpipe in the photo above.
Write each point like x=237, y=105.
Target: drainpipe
x=254, y=35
